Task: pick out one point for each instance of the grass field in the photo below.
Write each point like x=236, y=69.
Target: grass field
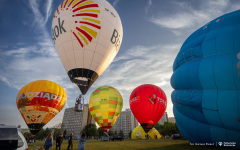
x=128, y=144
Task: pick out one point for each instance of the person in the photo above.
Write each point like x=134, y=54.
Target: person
x=49, y=141
x=152, y=99
x=70, y=141
x=59, y=141
x=82, y=141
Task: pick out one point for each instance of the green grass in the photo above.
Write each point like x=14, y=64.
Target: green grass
x=162, y=144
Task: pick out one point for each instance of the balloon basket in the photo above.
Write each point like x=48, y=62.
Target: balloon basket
x=79, y=103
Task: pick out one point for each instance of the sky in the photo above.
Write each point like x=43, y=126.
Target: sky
x=153, y=32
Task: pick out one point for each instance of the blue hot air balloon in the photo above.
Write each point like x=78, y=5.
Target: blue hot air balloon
x=206, y=79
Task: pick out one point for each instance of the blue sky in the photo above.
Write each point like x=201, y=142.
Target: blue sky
x=153, y=32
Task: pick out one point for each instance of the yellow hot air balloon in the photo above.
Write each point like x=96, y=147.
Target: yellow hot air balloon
x=87, y=35
x=154, y=134
x=39, y=101
x=105, y=106
x=139, y=133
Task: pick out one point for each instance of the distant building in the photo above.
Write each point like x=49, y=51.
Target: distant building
x=172, y=119
x=163, y=119
x=74, y=122
x=125, y=122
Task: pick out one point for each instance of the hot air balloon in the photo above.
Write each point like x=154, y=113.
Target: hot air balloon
x=148, y=104
x=139, y=133
x=154, y=134
x=87, y=35
x=105, y=105
x=206, y=79
x=39, y=101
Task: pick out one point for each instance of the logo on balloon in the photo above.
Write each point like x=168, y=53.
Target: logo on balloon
x=58, y=29
x=115, y=38
x=48, y=96
x=87, y=23
x=135, y=99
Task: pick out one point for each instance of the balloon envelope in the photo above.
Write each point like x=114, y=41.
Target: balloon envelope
x=39, y=101
x=139, y=133
x=105, y=105
x=148, y=104
x=87, y=36
x=206, y=100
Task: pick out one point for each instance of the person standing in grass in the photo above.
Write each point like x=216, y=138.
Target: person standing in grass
x=49, y=141
x=70, y=141
x=82, y=141
x=59, y=141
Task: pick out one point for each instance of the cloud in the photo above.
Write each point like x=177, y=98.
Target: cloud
x=135, y=66
x=181, y=20
x=5, y=80
x=32, y=62
x=115, y=2
x=45, y=41
x=48, y=10
x=141, y=65
x=186, y=16
x=21, y=52
x=149, y=4
x=18, y=71
x=39, y=18
x=25, y=62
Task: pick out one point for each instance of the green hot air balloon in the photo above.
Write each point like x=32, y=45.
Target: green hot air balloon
x=105, y=106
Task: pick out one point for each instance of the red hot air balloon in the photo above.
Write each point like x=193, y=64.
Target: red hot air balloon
x=148, y=104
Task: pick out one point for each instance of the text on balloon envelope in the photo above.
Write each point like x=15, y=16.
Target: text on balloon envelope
x=58, y=29
x=39, y=95
x=115, y=39
x=159, y=100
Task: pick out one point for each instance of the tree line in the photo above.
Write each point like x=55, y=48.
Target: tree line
x=167, y=129
x=91, y=130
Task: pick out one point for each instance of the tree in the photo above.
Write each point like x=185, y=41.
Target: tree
x=130, y=133
x=42, y=134
x=90, y=130
x=177, y=130
x=27, y=135
x=100, y=132
x=110, y=133
x=97, y=134
x=121, y=133
x=64, y=133
x=115, y=132
x=168, y=129
x=157, y=126
x=19, y=126
x=56, y=133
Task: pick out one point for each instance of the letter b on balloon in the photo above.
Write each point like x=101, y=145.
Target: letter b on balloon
x=116, y=39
